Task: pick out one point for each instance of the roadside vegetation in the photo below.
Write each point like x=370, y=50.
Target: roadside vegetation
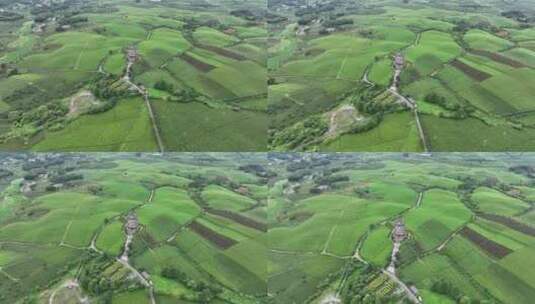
x=449, y=64
x=63, y=64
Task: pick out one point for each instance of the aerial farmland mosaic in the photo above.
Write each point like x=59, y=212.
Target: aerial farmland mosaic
x=401, y=75
x=133, y=75
x=267, y=228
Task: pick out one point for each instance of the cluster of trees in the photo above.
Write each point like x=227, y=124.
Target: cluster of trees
x=357, y=291
x=366, y=103
x=5, y=173
x=518, y=16
x=10, y=16
x=337, y=23
x=205, y=292
x=64, y=178
x=7, y=70
x=459, y=111
x=444, y=287
x=258, y=170
x=246, y=14
x=50, y=116
x=28, y=166
x=299, y=175
x=73, y=20
x=274, y=18
x=526, y=170
x=463, y=26
x=329, y=180
x=92, y=278
x=301, y=133
x=103, y=87
x=178, y=95
x=315, y=10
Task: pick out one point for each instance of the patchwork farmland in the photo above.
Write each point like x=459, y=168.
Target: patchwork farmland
x=133, y=76
x=461, y=72
x=266, y=228
x=118, y=228
x=401, y=228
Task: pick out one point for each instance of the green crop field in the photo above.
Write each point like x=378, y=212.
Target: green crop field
x=66, y=70
x=438, y=59
x=242, y=228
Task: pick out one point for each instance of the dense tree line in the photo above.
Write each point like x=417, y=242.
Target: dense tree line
x=459, y=111
x=205, y=293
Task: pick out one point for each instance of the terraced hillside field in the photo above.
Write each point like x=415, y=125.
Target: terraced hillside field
x=341, y=71
x=133, y=76
x=266, y=228
x=358, y=228
x=121, y=228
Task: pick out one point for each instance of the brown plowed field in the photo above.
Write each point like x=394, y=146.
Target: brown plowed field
x=509, y=222
x=199, y=65
x=223, y=52
x=489, y=246
x=213, y=237
x=499, y=58
x=470, y=71
x=238, y=218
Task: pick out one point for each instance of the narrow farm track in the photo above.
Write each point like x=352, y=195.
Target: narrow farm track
x=365, y=78
x=145, y=94
x=93, y=245
x=356, y=255
x=7, y=275
x=408, y=103
x=423, y=138
x=65, y=233
x=153, y=122
x=77, y=64
x=124, y=260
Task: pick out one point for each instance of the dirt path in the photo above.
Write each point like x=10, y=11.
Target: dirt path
x=131, y=58
x=326, y=245
x=419, y=200
x=406, y=101
x=293, y=252
x=392, y=266
x=341, y=69
x=62, y=242
x=365, y=78
x=126, y=248
x=93, y=245
x=130, y=230
x=421, y=133
x=297, y=102
x=7, y=275
x=77, y=64
x=446, y=241
x=151, y=195
x=155, y=129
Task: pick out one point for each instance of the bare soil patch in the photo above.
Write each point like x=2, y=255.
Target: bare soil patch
x=238, y=218
x=470, y=71
x=223, y=52
x=489, y=246
x=509, y=222
x=499, y=58
x=215, y=238
x=196, y=63
x=81, y=103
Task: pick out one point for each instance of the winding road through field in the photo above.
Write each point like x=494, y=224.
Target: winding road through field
x=145, y=94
